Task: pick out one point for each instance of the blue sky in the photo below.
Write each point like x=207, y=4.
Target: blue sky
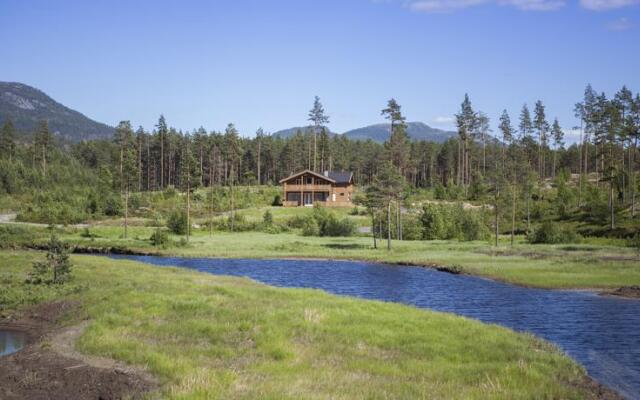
x=258, y=63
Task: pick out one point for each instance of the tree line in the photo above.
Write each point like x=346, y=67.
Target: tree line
x=505, y=166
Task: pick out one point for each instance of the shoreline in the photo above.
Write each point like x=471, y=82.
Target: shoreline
x=623, y=292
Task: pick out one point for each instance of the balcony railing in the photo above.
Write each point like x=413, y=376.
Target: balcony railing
x=308, y=188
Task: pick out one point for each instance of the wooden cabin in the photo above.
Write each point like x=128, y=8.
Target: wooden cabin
x=330, y=189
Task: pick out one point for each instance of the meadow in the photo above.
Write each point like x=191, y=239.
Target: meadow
x=208, y=337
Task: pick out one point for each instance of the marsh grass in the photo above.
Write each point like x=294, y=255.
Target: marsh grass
x=591, y=264
x=208, y=337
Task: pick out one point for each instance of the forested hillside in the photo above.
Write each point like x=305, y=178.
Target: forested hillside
x=26, y=106
x=526, y=177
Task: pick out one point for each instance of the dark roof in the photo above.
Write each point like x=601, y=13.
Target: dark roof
x=307, y=171
x=341, y=176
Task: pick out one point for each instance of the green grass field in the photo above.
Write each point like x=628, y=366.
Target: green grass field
x=208, y=337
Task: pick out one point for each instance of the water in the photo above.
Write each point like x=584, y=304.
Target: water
x=11, y=341
x=602, y=333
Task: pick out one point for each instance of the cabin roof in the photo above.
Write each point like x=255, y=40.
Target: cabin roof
x=341, y=176
x=308, y=171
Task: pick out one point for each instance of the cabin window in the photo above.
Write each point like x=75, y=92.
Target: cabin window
x=309, y=180
x=292, y=196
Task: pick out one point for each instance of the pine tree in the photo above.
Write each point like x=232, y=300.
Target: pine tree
x=558, y=142
x=467, y=122
x=542, y=127
x=42, y=144
x=388, y=183
x=319, y=119
x=398, y=144
x=7, y=140
x=162, y=134
x=232, y=144
x=508, y=164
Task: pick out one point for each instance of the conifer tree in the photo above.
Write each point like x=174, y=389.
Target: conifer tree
x=319, y=119
x=7, y=140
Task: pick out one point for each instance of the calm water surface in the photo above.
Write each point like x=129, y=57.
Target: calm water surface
x=602, y=333
x=11, y=341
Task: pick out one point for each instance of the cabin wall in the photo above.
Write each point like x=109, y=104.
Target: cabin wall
x=305, y=189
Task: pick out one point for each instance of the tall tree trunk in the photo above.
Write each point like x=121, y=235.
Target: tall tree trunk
x=231, y=199
x=513, y=214
x=612, y=207
x=497, y=220
x=259, y=150
x=126, y=211
x=373, y=229
x=398, y=234
x=188, y=202
x=161, y=161
x=389, y=225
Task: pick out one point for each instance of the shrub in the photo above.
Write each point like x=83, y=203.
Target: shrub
x=433, y=222
x=170, y=192
x=159, y=237
x=297, y=222
x=277, y=201
x=112, y=206
x=310, y=227
x=473, y=227
x=267, y=218
x=330, y=225
x=552, y=233
x=177, y=222
x=56, y=268
x=411, y=228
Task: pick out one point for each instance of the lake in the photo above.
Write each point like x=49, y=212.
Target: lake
x=602, y=333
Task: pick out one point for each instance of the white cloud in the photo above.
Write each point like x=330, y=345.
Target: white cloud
x=443, y=6
x=444, y=120
x=535, y=5
x=601, y=5
x=621, y=24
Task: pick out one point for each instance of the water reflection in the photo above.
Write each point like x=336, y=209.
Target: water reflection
x=11, y=341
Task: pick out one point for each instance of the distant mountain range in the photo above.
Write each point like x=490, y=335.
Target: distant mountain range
x=26, y=106
x=380, y=132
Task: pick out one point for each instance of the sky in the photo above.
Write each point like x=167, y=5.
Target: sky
x=259, y=63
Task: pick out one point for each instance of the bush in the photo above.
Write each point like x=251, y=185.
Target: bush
x=177, y=222
x=411, y=228
x=443, y=221
x=297, y=222
x=552, y=233
x=310, y=227
x=433, y=222
x=277, y=201
x=329, y=225
x=267, y=218
x=56, y=268
x=473, y=227
x=159, y=237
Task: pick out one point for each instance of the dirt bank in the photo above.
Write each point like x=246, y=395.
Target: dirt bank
x=49, y=367
x=631, y=292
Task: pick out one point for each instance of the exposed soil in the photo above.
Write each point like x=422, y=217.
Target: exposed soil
x=50, y=368
x=632, y=292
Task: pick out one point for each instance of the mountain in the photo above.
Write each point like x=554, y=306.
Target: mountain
x=286, y=133
x=380, y=132
x=416, y=130
x=25, y=106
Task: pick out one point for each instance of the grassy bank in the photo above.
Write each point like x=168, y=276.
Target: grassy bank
x=210, y=337
x=596, y=265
